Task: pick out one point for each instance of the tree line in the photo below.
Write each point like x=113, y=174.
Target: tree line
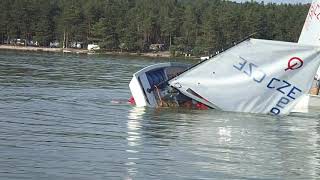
x=193, y=26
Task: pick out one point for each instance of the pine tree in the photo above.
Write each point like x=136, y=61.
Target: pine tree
x=192, y=26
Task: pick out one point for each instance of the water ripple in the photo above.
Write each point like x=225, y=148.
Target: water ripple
x=59, y=120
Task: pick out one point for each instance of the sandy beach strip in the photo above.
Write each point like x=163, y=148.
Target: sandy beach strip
x=163, y=54
x=41, y=49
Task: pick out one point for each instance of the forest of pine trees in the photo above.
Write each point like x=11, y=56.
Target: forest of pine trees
x=194, y=26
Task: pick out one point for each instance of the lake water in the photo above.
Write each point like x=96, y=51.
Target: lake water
x=58, y=121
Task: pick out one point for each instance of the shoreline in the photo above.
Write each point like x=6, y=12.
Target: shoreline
x=163, y=54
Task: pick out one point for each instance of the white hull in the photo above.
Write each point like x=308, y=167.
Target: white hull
x=146, y=87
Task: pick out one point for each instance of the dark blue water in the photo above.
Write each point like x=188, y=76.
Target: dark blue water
x=58, y=121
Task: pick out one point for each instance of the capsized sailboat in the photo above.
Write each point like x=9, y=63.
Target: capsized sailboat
x=255, y=76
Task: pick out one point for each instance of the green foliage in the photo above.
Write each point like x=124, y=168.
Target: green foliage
x=184, y=26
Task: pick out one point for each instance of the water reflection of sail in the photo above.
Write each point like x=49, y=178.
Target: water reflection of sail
x=134, y=139
x=301, y=152
x=288, y=147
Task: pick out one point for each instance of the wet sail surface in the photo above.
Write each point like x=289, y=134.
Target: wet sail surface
x=256, y=76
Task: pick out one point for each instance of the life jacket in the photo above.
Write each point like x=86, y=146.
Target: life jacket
x=132, y=101
x=201, y=106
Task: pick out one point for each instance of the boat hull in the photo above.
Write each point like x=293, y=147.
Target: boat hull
x=148, y=85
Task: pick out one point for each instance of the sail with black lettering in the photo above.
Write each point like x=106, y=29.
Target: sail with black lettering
x=256, y=76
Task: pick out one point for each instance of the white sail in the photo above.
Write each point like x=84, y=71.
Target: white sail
x=310, y=34
x=256, y=76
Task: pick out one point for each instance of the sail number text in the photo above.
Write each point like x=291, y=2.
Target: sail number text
x=289, y=91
